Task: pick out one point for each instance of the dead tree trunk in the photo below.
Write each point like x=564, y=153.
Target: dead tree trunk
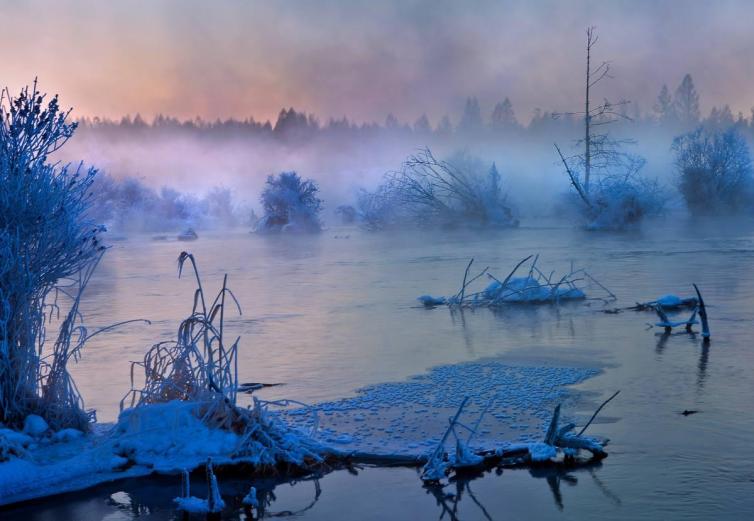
x=590, y=40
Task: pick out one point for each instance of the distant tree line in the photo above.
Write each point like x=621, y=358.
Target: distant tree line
x=674, y=112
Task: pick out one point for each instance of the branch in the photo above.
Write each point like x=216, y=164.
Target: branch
x=574, y=181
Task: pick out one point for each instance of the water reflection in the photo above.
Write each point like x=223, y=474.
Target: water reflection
x=449, y=502
x=692, y=338
x=450, y=497
x=473, y=496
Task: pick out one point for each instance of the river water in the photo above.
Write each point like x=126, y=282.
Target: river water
x=329, y=314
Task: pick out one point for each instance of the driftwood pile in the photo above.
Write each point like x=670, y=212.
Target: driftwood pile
x=536, y=287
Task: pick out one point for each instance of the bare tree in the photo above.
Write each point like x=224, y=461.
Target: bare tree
x=431, y=192
x=608, y=170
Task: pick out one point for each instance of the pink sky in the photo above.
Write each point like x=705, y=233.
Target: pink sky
x=364, y=58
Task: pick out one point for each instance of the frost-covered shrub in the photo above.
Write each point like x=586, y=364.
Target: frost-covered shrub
x=290, y=204
x=48, y=247
x=346, y=213
x=621, y=201
x=715, y=170
x=129, y=205
x=380, y=209
x=435, y=193
x=618, y=197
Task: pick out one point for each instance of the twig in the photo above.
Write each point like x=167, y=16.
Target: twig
x=597, y=412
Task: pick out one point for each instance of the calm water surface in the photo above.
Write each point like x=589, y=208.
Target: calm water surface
x=329, y=314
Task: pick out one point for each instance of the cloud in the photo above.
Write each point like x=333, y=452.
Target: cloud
x=364, y=58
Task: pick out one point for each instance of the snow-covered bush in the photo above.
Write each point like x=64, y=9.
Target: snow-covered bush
x=129, y=205
x=346, y=213
x=436, y=193
x=380, y=209
x=619, y=196
x=48, y=248
x=715, y=170
x=620, y=201
x=290, y=205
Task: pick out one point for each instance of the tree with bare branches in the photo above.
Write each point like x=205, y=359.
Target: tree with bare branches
x=604, y=175
x=431, y=192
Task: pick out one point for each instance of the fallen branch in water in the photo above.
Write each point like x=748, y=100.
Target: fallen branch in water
x=698, y=309
x=535, y=287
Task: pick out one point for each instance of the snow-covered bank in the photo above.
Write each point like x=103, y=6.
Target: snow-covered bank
x=405, y=419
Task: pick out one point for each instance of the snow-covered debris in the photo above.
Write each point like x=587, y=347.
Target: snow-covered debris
x=668, y=302
x=534, y=288
x=250, y=499
x=465, y=457
x=430, y=301
x=530, y=290
x=193, y=505
x=673, y=303
x=540, y=451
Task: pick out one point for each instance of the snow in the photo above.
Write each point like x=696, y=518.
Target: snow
x=430, y=301
x=195, y=505
x=528, y=289
x=162, y=438
x=541, y=451
x=170, y=437
x=13, y=443
x=251, y=498
x=66, y=435
x=35, y=425
x=409, y=417
x=465, y=457
x=669, y=301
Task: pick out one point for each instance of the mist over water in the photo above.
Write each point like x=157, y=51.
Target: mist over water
x=342, y=163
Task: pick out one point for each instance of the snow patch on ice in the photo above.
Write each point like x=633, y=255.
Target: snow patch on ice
x=409, y=417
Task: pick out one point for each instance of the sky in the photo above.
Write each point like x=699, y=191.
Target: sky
x=366, y=58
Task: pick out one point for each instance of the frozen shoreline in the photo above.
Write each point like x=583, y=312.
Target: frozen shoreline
x=404, y=418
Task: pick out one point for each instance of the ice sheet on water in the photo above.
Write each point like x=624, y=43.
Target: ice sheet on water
x=394, y=418
x=410, y=417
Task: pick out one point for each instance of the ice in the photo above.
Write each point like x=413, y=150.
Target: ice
x=404, y=414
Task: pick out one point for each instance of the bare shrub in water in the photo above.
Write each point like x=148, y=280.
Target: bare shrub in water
x=48, y=249
x=436, y=193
